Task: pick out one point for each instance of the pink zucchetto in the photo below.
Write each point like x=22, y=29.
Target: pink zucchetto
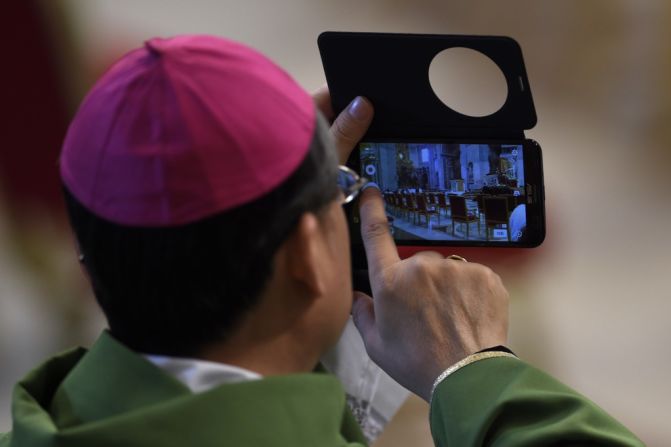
x=184, y=128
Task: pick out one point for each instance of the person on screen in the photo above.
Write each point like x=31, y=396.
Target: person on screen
x=204, y=191
x=518, y=222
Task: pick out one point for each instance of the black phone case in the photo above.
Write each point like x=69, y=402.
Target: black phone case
x=392, y=71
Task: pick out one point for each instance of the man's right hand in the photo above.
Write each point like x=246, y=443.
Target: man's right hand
x=428, y=312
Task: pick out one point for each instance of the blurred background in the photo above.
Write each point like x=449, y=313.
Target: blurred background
x=592, y=306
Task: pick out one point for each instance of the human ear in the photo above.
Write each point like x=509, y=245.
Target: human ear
x=305, y=255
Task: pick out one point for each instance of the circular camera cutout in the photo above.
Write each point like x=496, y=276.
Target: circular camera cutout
x=468, y=82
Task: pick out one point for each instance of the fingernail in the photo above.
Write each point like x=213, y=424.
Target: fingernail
x=359, y=109
x=370, y=185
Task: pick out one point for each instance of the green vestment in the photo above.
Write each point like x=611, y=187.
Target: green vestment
x=111, y=396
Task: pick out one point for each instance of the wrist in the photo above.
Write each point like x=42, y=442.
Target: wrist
x=498, y=348
x=484, y=354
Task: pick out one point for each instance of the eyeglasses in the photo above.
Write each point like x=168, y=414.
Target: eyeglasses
x=350, y=183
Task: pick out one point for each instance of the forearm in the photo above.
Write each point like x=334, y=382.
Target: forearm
x=506, y=402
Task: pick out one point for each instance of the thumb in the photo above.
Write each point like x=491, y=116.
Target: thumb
x=351, y=125
x=363, y=315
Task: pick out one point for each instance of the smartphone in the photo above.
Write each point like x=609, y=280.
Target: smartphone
x=456, y=193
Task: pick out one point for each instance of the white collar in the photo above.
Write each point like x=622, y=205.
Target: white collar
x=201, y=375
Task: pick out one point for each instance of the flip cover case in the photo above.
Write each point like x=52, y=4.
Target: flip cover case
x=392, y=70
x=375, y=64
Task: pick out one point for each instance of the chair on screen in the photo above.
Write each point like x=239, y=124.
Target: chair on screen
x=412, y=206
x=479, y=199
x=496, y=214
x=406, y=205
x=442, y=202
x=426, y=210
x=398, y=203
x=460, y=214
x=389, y=201
x=513, y=201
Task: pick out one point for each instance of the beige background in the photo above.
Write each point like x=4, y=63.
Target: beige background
x=591, y=306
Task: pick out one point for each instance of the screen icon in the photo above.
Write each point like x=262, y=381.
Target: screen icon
x=500, y=233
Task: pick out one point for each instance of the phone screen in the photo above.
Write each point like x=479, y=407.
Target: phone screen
x=452, y=193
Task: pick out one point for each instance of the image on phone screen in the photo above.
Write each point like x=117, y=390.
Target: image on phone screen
x=450, y=192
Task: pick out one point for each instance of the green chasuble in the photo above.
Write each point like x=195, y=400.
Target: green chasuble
x=503, y=401
x=111, y=396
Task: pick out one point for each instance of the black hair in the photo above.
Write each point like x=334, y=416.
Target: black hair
x=175, y=290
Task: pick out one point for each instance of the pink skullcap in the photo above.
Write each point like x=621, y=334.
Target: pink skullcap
x=185, y=128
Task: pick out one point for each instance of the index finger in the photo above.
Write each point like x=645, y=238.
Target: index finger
x=381, y=251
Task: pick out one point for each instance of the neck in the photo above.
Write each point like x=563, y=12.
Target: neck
x=275, y=357
x=271, y=339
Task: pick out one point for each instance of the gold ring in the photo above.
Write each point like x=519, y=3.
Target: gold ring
x=457, y=258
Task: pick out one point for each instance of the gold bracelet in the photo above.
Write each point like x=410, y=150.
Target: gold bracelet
x=467, y=361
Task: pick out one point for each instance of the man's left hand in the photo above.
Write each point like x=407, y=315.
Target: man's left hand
x=350, y=126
